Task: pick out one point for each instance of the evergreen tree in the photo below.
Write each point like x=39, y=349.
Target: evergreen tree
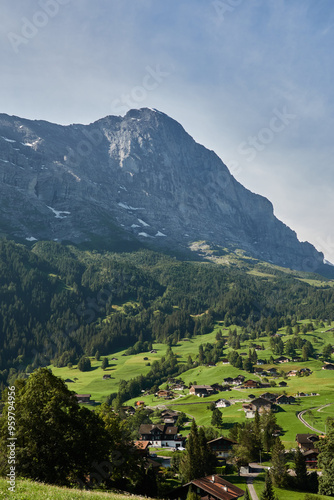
x=327, y=352
x=300, y=470
x=278, y=460
x=208, y=459
x=268, y=492
x=326, y=462
x=84, y=364
x=105, y=363
x=217, y=418
x=268, y=427
x=198, y=460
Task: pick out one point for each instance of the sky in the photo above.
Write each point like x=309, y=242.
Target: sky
x=250, y=79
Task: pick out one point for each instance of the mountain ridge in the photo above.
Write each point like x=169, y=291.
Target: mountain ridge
x=138, y=177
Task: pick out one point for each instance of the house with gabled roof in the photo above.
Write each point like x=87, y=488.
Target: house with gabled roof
x=328, y=366
x=250, y=384
x=282, y=359
x=285, y=400
x=161, y=435
x=221, y=446
x=212, y=487
x=201, y=390
x=83, y=398
x=269, y=396
x=311, y=458
x=222, y=403
x=307, y=442
x=228, y=380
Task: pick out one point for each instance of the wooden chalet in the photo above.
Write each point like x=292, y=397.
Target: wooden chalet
x=311, y=458
x=307, y=442
x=285, y=400
x=165, y=394
x=282, y=359
x=129, y=410
x=212, y=487
x=328, y=366
x=228, y=380
x=261, y=405
x=222, y=403
x=161, y=435
x=221, y=447
x=201, y=390
x=83, y=398
x=250, y=384
x=270, y=396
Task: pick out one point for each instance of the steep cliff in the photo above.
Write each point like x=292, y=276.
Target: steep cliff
x=138, y=176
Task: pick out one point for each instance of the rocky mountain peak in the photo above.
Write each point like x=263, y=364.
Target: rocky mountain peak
x=141, y=177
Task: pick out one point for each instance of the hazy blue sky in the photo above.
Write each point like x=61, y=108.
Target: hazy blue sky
x=250, y=79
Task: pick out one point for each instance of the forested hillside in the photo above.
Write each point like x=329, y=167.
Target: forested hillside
x=60, y=302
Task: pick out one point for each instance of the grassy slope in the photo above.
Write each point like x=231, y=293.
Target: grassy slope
x=283, y=494
x=27, y=490
x=320, y=381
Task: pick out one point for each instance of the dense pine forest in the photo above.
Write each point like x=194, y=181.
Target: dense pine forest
x=59, y=303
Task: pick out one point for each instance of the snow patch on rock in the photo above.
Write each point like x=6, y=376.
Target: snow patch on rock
x=143, y=223
x=58, y=213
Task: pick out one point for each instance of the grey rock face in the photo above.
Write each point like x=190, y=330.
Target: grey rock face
x=136, y=176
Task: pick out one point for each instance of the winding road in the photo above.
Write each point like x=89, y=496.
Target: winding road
x=303, y=421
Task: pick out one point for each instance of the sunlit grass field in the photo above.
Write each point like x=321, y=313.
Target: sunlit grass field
x=320, y=382
x=29, y=490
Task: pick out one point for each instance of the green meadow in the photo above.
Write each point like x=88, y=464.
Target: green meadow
x=320, y=382
x=283, y=493
x=27, y=490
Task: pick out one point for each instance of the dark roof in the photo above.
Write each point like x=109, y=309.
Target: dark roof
x=164, y=429
x=328, y=366
x=269, y=395
x=261, y=402
x=215, y=486
x=222, y=438
x=207, y=387
x=306, y=438
x=170, y=413
x=311, y=452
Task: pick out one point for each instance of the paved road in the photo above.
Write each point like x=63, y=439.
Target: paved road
x=303, y=421
x=257, y=468
x=251, y=489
